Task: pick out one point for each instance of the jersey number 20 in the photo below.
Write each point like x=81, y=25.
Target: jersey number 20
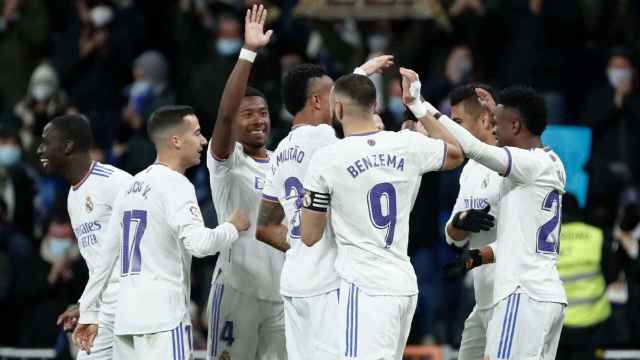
x=382, y=210
x=131, y=259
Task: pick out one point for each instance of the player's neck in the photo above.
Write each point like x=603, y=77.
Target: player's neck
x=304, y=117
x=529, y=142
x=79, y=167
x=256, y=152
x=171, y=162
x=358, y=126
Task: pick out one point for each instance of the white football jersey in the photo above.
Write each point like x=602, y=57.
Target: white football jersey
x=372, y=181
x=249, y=266
x=307, y=271
x=90, y=204
x=157, y=226
x=479, y=187
x=529, y=225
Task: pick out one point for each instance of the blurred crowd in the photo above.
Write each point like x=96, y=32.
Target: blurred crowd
x=116, y=61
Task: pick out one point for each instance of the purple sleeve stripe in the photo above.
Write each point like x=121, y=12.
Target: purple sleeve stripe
x=506, y=173
x=269, y=198
x=444, y=155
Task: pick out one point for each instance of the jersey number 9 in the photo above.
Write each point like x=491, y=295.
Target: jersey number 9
x=382, y=210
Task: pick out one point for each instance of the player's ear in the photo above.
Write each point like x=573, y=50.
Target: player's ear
x=69, y=145
x=516, y=125
x=315, y=101
x=175, y=141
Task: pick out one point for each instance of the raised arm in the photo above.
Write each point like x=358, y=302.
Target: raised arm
x=270, y=229
x=410, y=96
x=441, y=126
x=254, y=39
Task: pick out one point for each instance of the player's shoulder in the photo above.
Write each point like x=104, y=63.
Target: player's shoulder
x=107, y=176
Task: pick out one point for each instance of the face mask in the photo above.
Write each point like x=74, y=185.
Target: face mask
x=377, y=43
x=226, y=47
x=58, y=247
x=465, y=66
x=618, y=76
x=41, y=92
x=9, y=155
x=396, y=107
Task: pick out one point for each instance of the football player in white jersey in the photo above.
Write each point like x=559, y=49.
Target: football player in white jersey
x=246, y=314
x=369, y=181
x=65, y=151
x=309, y=283
x=470, y=222
x=528, y=294
x=157, y=227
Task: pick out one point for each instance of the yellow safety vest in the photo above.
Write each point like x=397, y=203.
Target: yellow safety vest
x=580, y=271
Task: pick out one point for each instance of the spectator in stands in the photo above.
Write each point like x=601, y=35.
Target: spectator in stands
x=44, y=101
x=613, y=113
x=15, y=250
x=583, y=256
x=458, y=70
x=17, y=188
x=94, y=59
x=47, y=284
x=23, y=34
x=149, y=91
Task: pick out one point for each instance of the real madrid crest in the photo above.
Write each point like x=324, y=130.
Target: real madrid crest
x=485, y=181
x=307, y=199
x=88, y=204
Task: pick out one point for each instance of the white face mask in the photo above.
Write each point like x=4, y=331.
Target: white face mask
x=618, y=76
x=9, y=155
x=58, y=247
x=41, y=92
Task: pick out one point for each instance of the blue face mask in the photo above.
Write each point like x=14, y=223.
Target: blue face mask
x=9, y=155
x=396, y=107
x=58, y=247
x=226, y=47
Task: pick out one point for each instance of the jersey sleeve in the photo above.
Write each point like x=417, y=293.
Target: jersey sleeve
x=185, y=218
x=271, y=191
x=317, y=187
x=220, y=167
x=99, y=278
x=430, y=154
x=523, y=165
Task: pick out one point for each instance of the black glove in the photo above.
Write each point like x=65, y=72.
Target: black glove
x=474, y=220
x=465, y=260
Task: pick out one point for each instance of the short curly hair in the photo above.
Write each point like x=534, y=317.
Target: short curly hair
x=295, y=85
x=529, y=104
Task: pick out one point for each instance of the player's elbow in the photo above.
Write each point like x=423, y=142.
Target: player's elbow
x=455, y=156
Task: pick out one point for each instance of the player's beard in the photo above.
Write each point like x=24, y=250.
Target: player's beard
x=337, y=126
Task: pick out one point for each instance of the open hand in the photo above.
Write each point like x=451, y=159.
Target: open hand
x=254, y=36
x=84, y=335
x=408, y=76
x=376, y=65
x=486, y=100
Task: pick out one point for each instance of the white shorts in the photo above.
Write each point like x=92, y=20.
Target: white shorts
x=310, y=327
x=175, y=344
x=474, y=335
x=524, y=329
x=244, y=327
x=102, y=348
x=373, y=327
